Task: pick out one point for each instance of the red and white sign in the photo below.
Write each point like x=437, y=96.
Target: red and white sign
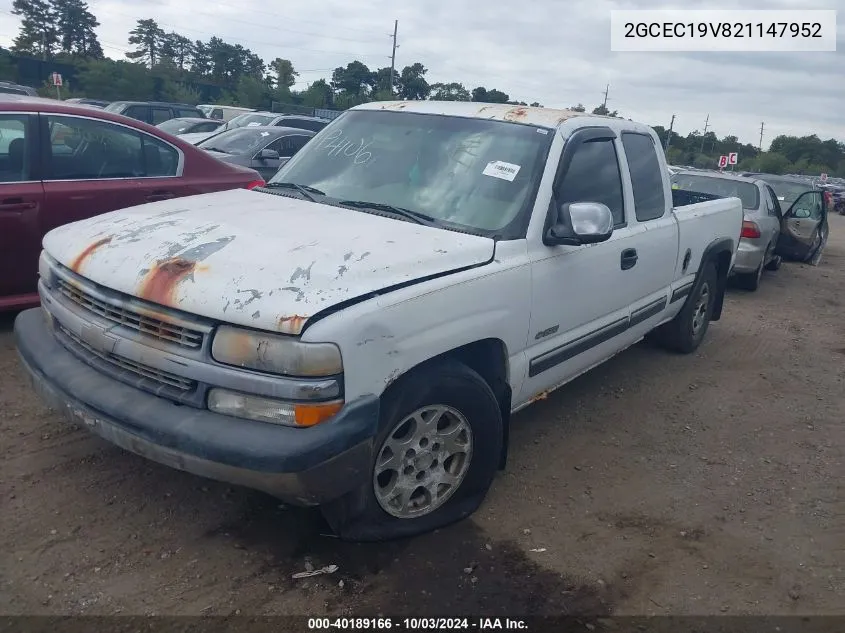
x=723, y=162
x=732, y=158
x=824, y=177
x=56, y=79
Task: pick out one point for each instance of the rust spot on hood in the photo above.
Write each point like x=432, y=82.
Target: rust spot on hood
x=515, y=114
x=161, y=281
x=291, y=324
x=76, y=264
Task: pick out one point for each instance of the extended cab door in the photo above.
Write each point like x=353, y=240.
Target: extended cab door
x=94, y=166
x=802, y=227
x=21, y=202
x=580, y=294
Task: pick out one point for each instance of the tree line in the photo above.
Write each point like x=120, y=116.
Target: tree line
x=170, y=66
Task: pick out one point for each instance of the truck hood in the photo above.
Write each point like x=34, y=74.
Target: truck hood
x=256, y=259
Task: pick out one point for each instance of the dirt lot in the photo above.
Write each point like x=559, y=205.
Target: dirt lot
x=656, y=484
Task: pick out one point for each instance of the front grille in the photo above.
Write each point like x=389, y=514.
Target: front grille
x=141, y=375
x=183, y=336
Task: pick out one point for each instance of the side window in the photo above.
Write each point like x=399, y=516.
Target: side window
x=160, y=159
x=160, y=115
x=217, y=113
x=646, y=176
x=14, y=149
x=594, y=176
x=291, y=145
x=773, y=197
x=137, y=112
x=771, y=202
x=88, y=149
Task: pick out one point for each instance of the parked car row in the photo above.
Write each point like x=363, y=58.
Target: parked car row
x=287, y=333
x=783, y=217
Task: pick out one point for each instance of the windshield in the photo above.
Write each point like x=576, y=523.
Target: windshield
x=238, y=142
x=175, y=126
x=244, y=120
x=476, y=173
x=788, y=191
x=723, y=187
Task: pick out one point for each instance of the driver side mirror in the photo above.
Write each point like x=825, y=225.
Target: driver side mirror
x=804, y=205
x=580, y=223
x=268, y=154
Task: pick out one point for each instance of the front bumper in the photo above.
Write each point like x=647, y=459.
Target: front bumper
x=306, y=466
x=748, y=256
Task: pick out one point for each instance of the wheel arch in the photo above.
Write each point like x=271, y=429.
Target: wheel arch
x=488, y=357
x=719, y=252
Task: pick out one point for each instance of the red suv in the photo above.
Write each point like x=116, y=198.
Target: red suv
x=60, y=163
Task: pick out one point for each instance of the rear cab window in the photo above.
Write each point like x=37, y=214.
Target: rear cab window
x=646, y=176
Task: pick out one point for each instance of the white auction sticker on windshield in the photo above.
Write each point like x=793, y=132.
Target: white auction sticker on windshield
x=501, y=169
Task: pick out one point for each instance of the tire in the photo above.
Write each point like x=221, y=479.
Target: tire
x=685, y=332
x=464, y=401
x=750, y=281
x=775, y=263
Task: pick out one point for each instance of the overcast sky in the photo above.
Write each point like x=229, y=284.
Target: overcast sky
x=556, y=52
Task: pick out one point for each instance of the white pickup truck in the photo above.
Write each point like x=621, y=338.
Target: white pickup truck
x=357, y=334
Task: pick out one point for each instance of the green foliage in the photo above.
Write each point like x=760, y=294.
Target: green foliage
x=170, y=66
x=450, y=92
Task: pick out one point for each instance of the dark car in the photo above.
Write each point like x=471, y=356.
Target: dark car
x=190, y=125
x=97, y=103
x=262, y=148
x=805, y=228
x=63, y=162
x=154, y=112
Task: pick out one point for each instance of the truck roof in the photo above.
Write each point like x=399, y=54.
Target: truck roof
x=542, y=117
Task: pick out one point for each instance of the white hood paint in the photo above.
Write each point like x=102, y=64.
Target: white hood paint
x=255, y=259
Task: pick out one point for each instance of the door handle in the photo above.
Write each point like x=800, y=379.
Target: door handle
x=160, y=195
x=629, y=258
x=16, y=204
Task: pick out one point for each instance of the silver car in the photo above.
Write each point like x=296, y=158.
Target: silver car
x=761, y=227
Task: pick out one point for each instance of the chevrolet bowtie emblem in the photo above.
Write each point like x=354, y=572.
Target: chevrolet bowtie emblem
x=98, y=339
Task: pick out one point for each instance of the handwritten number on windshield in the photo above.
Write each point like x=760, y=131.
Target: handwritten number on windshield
x=338, y=144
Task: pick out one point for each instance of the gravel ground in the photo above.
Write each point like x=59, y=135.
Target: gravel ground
x=655, y=484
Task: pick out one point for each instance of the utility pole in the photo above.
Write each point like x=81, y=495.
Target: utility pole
x=606, y=90
x=760, y=146
x=706, y=125
x=393, y=54
x=669, y=135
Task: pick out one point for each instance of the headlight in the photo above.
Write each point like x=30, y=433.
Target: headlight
x=275, y=354
x=44, y=269
x=242, y=405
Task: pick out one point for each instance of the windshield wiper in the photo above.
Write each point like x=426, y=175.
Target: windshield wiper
x=413, y=216
x=305, y=190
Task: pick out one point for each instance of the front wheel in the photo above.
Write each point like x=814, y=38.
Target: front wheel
x=685, y=332
x=435, y=457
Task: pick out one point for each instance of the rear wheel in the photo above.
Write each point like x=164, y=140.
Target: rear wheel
x=435, y=457
x=685, y=332
x=751, y=281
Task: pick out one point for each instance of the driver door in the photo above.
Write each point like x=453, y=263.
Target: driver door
x=801, y=233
